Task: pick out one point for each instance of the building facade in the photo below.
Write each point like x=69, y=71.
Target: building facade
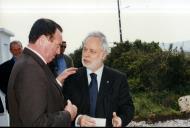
x=5, y=36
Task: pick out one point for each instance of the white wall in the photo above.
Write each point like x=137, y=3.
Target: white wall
x=4, y=117
x=4, y=47
x=4, y=55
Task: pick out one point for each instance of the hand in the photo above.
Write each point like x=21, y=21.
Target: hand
x=67, y=72
x=86, y=121
x=72, y=109
x=116, y=120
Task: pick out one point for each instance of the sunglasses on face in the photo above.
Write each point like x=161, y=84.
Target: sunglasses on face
x=62, y=46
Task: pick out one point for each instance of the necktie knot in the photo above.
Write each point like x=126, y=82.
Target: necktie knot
x=93, y=80
x=93, y=76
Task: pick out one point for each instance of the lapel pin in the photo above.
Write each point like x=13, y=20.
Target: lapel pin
x=107, y=82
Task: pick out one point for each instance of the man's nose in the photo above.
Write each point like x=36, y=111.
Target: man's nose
x=58, y=51
x=86, y=54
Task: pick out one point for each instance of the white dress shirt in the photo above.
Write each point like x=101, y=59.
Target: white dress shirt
x=99, y=76
x=98, y=73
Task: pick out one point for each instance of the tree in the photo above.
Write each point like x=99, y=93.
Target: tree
x=147, y=66
x=76, y=56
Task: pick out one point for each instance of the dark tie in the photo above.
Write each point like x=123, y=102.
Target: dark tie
x=93, y=91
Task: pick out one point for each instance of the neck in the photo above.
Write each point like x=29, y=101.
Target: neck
x=98, y=67
x=37, y=49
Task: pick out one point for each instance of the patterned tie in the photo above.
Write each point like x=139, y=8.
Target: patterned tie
x=93, y=91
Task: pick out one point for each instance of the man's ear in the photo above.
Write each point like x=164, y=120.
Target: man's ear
x=104, y=55
x=42, y=39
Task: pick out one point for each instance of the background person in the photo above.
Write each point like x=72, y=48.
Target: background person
x=6, y=67
x=61, y=61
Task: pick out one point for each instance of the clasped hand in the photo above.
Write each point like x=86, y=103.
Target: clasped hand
x=72, y=109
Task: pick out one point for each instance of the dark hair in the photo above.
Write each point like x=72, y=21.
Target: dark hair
x=64, y=42
x=45, y=27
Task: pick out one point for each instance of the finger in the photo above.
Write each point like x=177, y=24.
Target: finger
x=68, y=73
x=90, y=119
x=115, y=123
x=69, y=102
x=71, y=69
x=68, y=70
x=114, y=119
x=114, y=114
x=75, y=108
x=87, y=121
x=90, y=123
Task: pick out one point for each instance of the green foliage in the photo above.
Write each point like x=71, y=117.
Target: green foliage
x=150, y=68
x=147, y=66
x=151, y=105
x=156, y=78
x=76, y=56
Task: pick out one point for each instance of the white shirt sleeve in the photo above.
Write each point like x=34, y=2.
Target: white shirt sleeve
x=59, y=82
x=76, y=124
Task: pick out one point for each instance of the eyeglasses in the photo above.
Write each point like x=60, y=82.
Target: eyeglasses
x=62, y=46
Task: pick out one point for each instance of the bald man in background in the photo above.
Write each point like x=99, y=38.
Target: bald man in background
x=6, y=67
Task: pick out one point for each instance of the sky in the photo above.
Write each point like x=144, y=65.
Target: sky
x=163, y=21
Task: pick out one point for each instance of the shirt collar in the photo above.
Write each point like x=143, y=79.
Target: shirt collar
x=38, y=54
x=97, y=72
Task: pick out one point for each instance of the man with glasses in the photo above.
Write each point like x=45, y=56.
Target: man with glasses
x=101, y=93
x=61, y=61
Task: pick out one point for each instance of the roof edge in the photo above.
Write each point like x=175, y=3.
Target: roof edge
x=7, y=32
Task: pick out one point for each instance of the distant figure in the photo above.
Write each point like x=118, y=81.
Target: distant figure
x=97, y=90
x=34, y=94
x=61, y=61
x=6, y=67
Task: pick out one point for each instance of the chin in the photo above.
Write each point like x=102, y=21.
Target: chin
x=90, y=67
x=87, y=66
x=50, y=60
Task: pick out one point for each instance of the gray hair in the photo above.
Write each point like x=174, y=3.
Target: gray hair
x=15, y=42
x=102, y=37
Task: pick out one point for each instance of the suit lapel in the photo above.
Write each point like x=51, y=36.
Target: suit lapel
x=86, y=89
x=83, y=78
x=105, y=92
x=105, y=84
x=44, y=66
x=52, y=78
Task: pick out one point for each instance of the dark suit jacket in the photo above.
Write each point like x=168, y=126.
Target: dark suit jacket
x=35, y=98
x=53, y=64
x=5, y=71
x=1, y=106
x=113, y=95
